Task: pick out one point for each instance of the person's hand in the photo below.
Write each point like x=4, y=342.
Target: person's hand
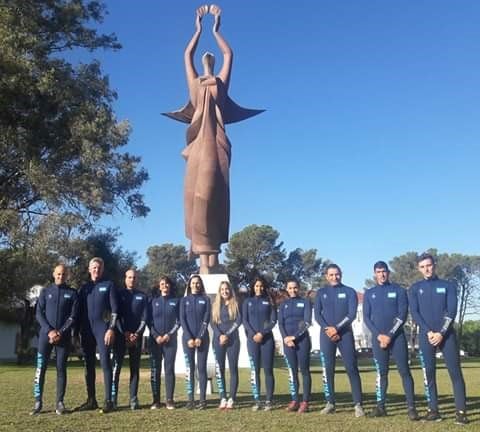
x=383, y=340
x=258, y=337
x=166, y=338
x=198, y=342
x=289, y=341
x=216, y=12
x=200, y=13
x=191, y=343
x=109, y=337
x=54, y=337
x=132, y=340
x=434, y=338
x=330, y=331
x=159, y=340
x=223, y=339
x=335, y=338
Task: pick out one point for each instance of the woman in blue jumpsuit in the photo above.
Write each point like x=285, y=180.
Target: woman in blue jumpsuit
x=226, y=319
x=194, y=317
x=294, y=318
x=259, y=318
x=163, y=322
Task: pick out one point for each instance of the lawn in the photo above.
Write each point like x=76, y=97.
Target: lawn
x=17, y=401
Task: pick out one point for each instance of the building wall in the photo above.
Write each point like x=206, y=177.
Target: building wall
x=8, y=335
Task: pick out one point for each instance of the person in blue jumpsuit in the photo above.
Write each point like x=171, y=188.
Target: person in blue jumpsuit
x=259, y=317
x=163, y=322
x=294, y=319
x=335, y=310
x=385, y=308
x=56, y=312
x=433, y=305
x=98, y=313
x=130, y=327
x=225, y=321
x=195, y=311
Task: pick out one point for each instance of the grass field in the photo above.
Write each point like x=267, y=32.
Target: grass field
x=17, y=400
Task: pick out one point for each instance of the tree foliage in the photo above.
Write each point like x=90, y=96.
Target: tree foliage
x=304, y=266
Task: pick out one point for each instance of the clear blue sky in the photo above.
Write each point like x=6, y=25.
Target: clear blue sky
x=369, y=147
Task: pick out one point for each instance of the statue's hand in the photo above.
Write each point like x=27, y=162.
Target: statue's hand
x=216, y=12
x=200, y=12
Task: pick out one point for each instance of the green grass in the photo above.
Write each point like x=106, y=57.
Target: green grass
x=17, y=400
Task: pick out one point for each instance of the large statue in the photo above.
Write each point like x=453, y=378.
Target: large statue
x=207, y=195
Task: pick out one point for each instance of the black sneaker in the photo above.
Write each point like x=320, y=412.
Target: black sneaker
x=202, y=405
x=413, y=414
x=89, y=405
x=107, y=407
x=433, y=416
x=461, y=418
x=36, y=408
x=60, y=408
x=190, y=405
x=155, y=406
x=378, y=411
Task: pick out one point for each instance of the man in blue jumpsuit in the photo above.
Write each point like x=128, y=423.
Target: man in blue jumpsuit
x=130, y=326
x=433, y=304
x=98, y=315
x=335, y=310
x=56, y=312
x=385, y=308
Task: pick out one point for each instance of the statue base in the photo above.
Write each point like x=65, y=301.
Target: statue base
x=212, y=282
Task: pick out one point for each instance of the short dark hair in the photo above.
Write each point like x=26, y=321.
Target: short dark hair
x=292, y=279
x=333, y=266
x=425, y=256
x=381, y=265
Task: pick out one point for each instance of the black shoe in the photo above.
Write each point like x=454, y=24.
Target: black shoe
x=190, y=405
x=36, y=408
x=433, y=416
x=60, y=408
x=461, y=418
x=202, y=405
x=89, y=405
x=378, y=411
x=413, y=414
x=107, y=407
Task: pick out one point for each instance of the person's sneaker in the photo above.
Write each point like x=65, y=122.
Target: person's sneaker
x=190, y=405
x=328, y=409
x=134, y=405
x=202, y=405
x=378, y=411
x=89, y=405
x=413, y=414
x=155, y=406
x=433, y=416
x=230, y=403
x=37, y=407
x=268, y=406
x=303, y=408
x=107, y=407
x=257, y=406
x=223, y=404
x=60, y=408
x=359, y=412
x=461, y=418
x=170, y=405
x=292, y=406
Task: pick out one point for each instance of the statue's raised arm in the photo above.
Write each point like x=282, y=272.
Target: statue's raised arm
x=227, y=52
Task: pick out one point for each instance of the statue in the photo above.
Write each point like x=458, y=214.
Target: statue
x=208, y=150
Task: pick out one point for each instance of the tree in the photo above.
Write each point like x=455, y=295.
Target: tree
x=169, y=260
x=470, y=340
x=303, y=266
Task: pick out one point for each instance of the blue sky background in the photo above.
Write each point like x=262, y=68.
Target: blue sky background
x=369, y=145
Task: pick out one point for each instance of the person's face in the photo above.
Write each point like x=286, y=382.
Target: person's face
x=195, y=285
x=427, y=268
x=292, y=289
x=258, y=288
x=225, y=292
x=96, y=271
x=59, y=275
x=333, y=276
x=381, y=275
x=164, y=287
x=130, y=279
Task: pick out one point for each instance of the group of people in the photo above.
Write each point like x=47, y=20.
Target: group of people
x=112, y=320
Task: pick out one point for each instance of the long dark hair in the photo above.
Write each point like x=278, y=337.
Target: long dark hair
x=266, y=288
x=189, y=289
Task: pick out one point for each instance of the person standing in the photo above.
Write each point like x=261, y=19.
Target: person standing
x=294, y=319
x=130, y=328
x=385, y=308
x=335, y=310
x=98, y=306
x=56, y=312
x=433, y=304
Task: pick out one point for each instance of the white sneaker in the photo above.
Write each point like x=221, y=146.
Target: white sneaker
x=329, y=409
x=230, y=403
x=359, y=411
x=223, y=404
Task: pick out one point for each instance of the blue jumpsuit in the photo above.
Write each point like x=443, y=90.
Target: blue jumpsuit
x=433, y=304
x=56, y=309
x=133, y=318
x=163, y=319
x=227, y=327
x=260, y=316
x=294, y=318
x=336, y=306
x=98, y=305
x=385, y=310
x=194, y=317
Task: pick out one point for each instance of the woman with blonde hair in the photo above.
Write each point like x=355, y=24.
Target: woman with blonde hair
x=225, y=321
